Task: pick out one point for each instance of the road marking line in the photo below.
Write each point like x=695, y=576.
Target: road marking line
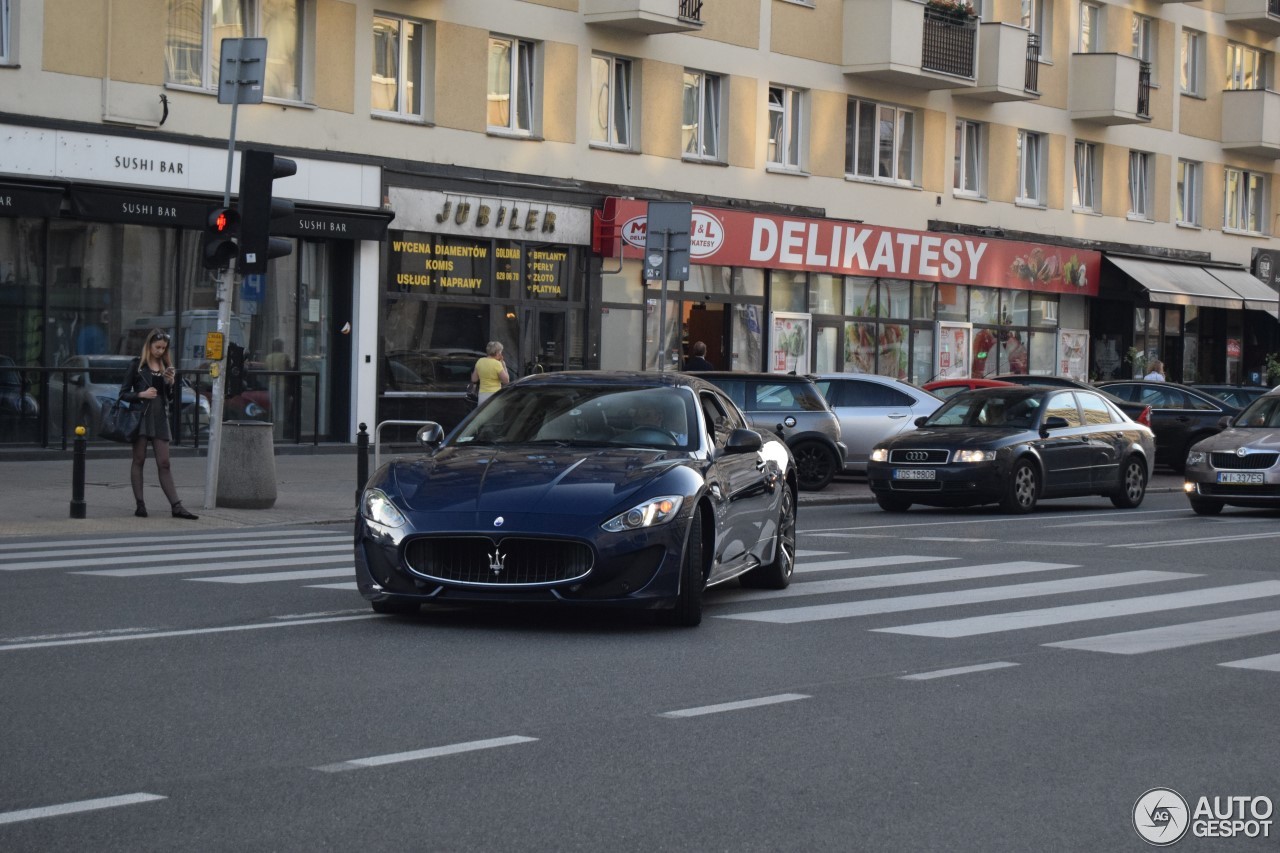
x=867, y=562
x=877, y=606
x=326, y=543
x=959, y=670
x=1177, y=636
x=267, y=577
x=735, y=706
x=133, y=559
x=947, y=539
x=419, y=754
x=347, y=586
x=179, y=538
x=805, y=553
x=81, y=806
x=1035, y=519
x=1204, y=540
x=191, y=632
x=1267, y=663
x=960, y=573
x=1083, y=612
x=150, y=571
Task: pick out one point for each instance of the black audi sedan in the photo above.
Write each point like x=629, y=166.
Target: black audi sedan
x=1014, y=446
x=582, y=488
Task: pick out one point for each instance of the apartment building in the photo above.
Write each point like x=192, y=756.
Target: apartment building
x=914, y=189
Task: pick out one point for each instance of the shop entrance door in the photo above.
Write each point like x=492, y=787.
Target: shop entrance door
x=542, y=340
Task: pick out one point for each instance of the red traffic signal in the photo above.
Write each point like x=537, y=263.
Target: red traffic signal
x=221, y=228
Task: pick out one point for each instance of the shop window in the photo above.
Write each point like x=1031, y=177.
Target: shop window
x=891, y=350
x=786, y=127
x=610, y=105
x=401, y=66
x=953, y=302
x=512, y=66
x=922, y=307
x=702, y=118
x=196, y=29
x=895, y=300
x=860, y=347
x=706, y=278
x=748, y=282
x=1044, y=310
x=1043, y=353
x=984, y=305
x=921, y=356
x=824, y=293
x=788, y=290
x=860, y=298
x=747, y=350
x=1013, y=307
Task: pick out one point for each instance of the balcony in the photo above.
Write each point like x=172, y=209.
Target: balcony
x=1008, y=64
x=906, y=42
x=1109, y=88
x=1260, y=15
x=1251, y=122
x=647, y=17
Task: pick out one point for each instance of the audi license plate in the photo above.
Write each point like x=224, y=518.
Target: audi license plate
x=1252, y=478
x=914, y=474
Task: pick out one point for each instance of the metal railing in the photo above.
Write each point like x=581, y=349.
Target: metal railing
x=1144, y=89
x=949, y=44
x=691, y=10
x=1032, y=82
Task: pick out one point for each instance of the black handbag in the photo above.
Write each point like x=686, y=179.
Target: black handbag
x=473, y=392
x=119, y=420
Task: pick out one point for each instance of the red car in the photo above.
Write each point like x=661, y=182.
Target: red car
x=945, y=388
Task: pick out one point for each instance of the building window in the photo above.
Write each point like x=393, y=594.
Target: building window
x=1030, y=168
x=1090, y=28
x=1246, y=67
x=1084, y=189
x=880, y=142
x=1037, y=17
x=1192, y=62
x=1144, y=39
x=196, y=29
x=700, y=128
x=969, y=159
x=611, y=101
x=6, y=33
x=510, y=99
x=1188, y=192
x=1245, y=197
x=786, y=112
x=399, y=67
x=1140, y=163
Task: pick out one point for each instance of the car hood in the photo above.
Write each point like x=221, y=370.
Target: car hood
x=1264, y=440
x=954, y=436
x=536, y=480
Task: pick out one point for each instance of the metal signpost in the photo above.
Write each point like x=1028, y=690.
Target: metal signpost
x=666, y=255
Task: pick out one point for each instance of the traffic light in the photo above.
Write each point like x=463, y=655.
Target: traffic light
x=257, y=208
x=220, y=237
x=236, y=376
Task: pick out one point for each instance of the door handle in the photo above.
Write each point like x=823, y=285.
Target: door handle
x=897, y=417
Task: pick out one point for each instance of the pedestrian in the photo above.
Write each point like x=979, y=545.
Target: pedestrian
x=152, y=381
x=490, y=372
x=697, y=359
x=278, y=386
x=1156, y=374
x=1015, y=352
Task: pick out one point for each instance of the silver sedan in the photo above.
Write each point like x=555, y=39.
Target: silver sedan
x=1239, y=466
x=871, y=409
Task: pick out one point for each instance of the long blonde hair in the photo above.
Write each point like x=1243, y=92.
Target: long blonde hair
x=145, y=357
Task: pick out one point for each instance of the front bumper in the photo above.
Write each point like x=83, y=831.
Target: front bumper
x=964, y=484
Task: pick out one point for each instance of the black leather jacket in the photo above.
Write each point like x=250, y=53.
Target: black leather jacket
x=139, y=378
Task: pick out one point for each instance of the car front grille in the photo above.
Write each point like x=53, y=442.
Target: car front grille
x=919, y=457
x=1251, y=461
x=1236, y=490
x=510, y=561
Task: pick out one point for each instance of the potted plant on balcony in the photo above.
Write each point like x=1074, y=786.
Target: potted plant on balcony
x=958, y=11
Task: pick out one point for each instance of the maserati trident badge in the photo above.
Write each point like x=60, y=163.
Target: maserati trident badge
x=496, y=559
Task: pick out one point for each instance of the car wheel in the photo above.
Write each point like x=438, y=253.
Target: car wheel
x=777, y=574
x=1200, y=506
x=688, y=609
x=394, y=607
x=1023, y=488
x=816, y=465
x=1133, y=484
x=893, y=503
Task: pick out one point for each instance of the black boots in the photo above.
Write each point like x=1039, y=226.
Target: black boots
x=141, y=511
x=179, y=511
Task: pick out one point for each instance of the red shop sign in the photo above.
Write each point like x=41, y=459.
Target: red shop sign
x=743, y=239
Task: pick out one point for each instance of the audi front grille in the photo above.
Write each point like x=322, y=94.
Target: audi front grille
x=510, y=561
x=919, y=457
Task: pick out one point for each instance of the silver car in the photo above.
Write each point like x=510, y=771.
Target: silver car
x=872, y=409
x=1239, y=466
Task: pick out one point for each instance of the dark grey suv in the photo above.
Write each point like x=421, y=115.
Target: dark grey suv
x=794, y=408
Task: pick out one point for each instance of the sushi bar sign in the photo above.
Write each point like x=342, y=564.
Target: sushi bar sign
x=743, y=239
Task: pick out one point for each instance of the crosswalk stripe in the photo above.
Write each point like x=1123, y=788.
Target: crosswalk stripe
x=267, y=577
x=1083, y=612
x=1177, y=636
x=149, y=571
x=927, y=601
x=336, y=542
x=960, y=573
x=1200, y=540
x=136, y=558
x=807, y=553
x=350, y=585
x=957, y=670
x=210, y=539
x=1268, y=663
x=867, y=563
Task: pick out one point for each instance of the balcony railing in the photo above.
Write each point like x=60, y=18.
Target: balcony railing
x=1033, y=62
x=948, y=43
x=691, y=10
x=1144, y=88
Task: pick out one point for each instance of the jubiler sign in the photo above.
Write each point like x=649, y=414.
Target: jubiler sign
x=744, y=239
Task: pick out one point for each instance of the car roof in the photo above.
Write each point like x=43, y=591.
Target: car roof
x=757, y=375
x=653, y=379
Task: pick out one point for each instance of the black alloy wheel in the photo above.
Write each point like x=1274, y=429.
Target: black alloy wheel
x=1023, y=489
x=1133, y=484
x=777, y=574
x=815, y=465
x=688, y=609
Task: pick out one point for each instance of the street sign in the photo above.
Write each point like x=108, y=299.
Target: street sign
x=213, y=346
x=242, y=66
x=666, y=240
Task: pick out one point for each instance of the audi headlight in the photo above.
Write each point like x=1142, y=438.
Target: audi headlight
x=879, y=455
x=378, y=508
x=1196, y=457
x=648, y=514
x=975, y=456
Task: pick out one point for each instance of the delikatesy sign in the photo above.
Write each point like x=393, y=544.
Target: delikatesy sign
x=745, y=239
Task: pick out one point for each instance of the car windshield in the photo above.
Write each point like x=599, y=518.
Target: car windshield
x=584, y=416
x=1263, y=413
x=1015, y=411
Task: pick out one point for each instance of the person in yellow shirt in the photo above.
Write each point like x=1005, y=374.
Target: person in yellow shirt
x=490, y=372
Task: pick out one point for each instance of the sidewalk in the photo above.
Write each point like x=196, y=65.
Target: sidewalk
x=314, y=485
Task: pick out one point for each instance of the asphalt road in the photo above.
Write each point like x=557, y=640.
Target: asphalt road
x=938, y=680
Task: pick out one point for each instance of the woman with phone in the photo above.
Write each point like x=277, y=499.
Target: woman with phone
x=152, y=382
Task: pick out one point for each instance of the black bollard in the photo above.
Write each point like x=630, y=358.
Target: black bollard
x=362, y=460
x=77, y=475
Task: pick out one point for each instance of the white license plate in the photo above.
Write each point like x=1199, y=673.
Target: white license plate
x=914, y=474
x=1251, y=478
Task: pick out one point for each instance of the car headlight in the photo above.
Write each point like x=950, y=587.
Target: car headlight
x=648, y=514
x=1196, y=457
x=378, y=508
x=975, y=456
x=879, y=455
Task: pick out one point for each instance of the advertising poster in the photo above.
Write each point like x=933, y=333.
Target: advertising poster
x=953, y=351
x=1073, y=354
x=789, y=342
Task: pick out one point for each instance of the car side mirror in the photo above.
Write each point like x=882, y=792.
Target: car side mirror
x=920, y=420
x=76, y=379
x=1224, y=421
x=1051, y=423
x=743, y=441
x=430, y=435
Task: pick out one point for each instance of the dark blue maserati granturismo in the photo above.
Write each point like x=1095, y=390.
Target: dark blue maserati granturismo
x=584, y=488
